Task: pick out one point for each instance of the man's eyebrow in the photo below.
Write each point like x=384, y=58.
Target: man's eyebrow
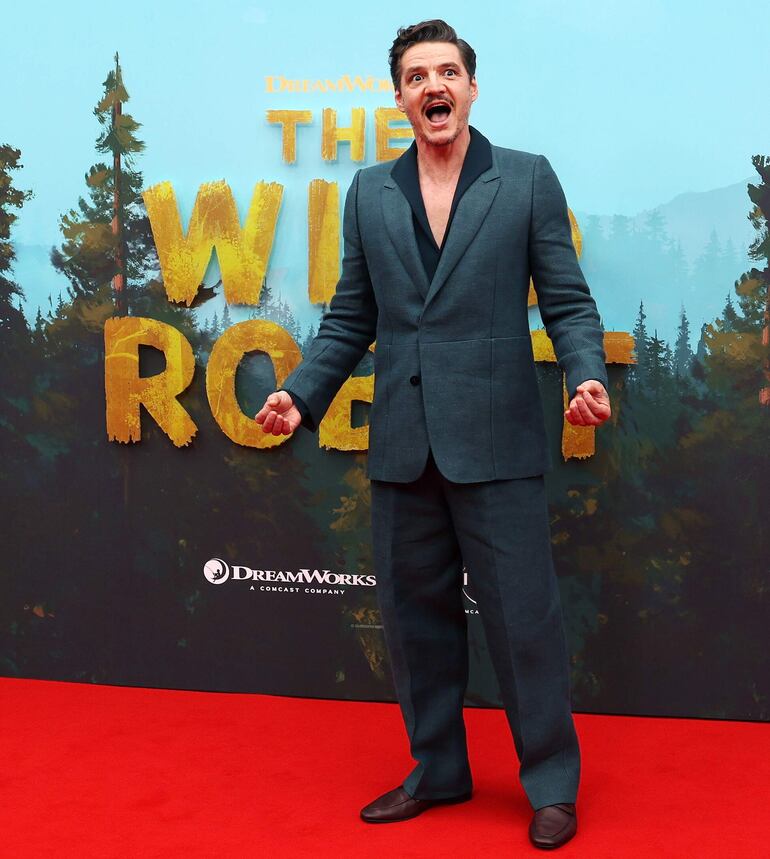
x=449, y=64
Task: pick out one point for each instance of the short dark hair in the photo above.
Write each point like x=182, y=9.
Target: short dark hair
x=434, y=30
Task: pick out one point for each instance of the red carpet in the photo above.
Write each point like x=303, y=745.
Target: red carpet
x=104, y=771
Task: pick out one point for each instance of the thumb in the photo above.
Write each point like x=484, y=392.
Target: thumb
x=593, y=386
x=280, y=401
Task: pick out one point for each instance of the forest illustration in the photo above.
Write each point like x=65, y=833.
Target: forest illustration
x=660, y=537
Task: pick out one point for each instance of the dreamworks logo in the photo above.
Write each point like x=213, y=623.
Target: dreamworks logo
x=217, y=572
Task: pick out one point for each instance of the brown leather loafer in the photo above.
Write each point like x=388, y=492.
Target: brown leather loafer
x=553, y=825
x=397, y=804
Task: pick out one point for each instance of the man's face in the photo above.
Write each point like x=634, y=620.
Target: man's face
x=436, y=91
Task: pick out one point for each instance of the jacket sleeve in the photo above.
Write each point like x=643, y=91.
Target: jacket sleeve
x=347, y=328
x=566, y=306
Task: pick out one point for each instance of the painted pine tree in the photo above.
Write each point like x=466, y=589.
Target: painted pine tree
x=683, y=355
x=15, y=343
x=108, y=241
x=760, y=250
x=12, y=320
x=658, y=368
x=119, y=140
x=638, y=371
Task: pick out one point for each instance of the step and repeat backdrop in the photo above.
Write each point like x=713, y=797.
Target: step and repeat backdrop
x=171, y=183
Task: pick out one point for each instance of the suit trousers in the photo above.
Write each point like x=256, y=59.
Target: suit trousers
x=423, y=533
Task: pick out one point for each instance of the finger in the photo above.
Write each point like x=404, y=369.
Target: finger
x=273, y=402
x=270, y=403
x=577, y=418
x=599, y=408
x=278, y=426
x=267, y=426
x=586, y=413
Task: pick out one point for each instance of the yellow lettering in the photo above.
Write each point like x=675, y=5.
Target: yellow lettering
x=126, y=390
x=254, y=335
x=242, y=254
x=577, y=441
x=289, y=120
x=335, y=429
x=355, y=134
x=323, y=225
x=348, y=83
x=384, y=132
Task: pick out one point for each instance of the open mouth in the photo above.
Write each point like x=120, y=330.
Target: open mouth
x=438, y=112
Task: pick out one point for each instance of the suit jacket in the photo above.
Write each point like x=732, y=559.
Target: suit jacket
x=454, y=367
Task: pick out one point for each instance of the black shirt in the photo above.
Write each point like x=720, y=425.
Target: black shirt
x=478, y=159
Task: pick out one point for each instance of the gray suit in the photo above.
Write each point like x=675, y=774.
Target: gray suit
x=454, y=368
x=457, y=452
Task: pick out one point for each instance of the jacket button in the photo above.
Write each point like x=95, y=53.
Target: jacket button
x=415, y=380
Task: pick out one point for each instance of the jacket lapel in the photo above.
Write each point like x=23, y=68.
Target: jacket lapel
x=469, y=216
x=397, y=214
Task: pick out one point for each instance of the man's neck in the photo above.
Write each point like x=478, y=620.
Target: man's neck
x=442, y=163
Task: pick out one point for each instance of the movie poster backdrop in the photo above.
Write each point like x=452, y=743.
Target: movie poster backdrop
x=170, y=198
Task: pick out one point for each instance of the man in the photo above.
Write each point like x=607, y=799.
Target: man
x=439, y=246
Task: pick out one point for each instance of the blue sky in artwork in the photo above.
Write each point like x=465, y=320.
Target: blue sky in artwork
x=634, y=103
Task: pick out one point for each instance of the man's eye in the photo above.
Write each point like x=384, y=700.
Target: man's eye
x=451, y=72
x=416, y=77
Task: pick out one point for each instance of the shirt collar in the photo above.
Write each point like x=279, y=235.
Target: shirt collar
x=478, y=159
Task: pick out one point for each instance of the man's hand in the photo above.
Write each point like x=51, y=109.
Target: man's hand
x=590, y=406
x=279, y=415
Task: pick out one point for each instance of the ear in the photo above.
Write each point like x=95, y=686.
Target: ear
x=474, y=89
x=399, y=101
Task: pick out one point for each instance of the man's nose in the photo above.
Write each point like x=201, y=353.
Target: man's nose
x=435, y=83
